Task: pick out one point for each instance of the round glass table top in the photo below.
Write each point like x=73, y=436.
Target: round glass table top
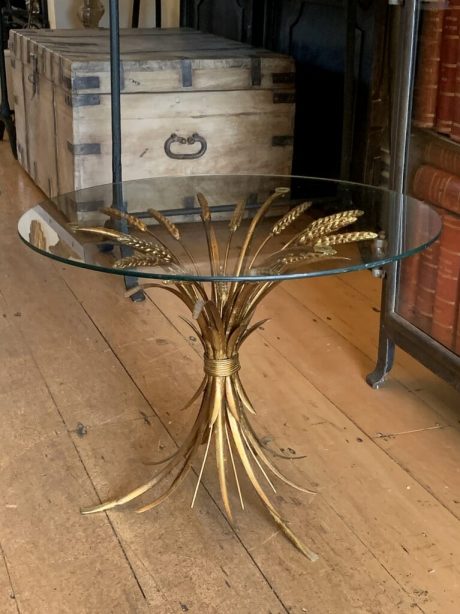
x=230, y=227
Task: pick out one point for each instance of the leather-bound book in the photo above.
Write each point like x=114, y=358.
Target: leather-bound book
x=457, y=336
x=408, y=277
x=408, y=287
x=445, y=157
x=446, y=298
x=427, y=72
x=426, y=286
x=448, y=68
x=437, y=187
x=455, y=132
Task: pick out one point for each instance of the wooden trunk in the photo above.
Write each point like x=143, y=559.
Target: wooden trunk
x=231, y=104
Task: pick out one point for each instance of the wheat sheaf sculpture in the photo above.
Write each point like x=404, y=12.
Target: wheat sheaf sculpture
x=222, y=312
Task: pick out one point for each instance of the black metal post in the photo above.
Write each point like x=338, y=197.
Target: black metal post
x=157, y=13
x=115, y=93
x=183, y=14
x=6, y=115
x=115, y=81
x=408, y=17
x=349, y=91
x=44, y=17
x=136, y=11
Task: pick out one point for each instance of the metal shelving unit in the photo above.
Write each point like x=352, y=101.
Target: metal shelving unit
x=394, y=329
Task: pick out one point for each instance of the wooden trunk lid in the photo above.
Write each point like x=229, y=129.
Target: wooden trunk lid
x=152, y=61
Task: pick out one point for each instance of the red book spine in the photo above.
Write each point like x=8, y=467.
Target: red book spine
x=455, y=132
x=442, y=156
x=448, y=68
x=457, y=337
x=427, y=73
x=408, y=276
x=437, y=187
x=408, y=287
x=426, y=282
x=447, y=285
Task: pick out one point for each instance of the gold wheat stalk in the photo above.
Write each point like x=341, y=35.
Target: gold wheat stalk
x=135, y=222
x=262, y=470
x=329, y=224
x=282, y=259
x=278, y=193
x=173, y=230
x=235, y=473
x=223, y=414
x=213, y=246
x=347, y=237
x=146, y=247
x=240, y=446
x=237, y=217
x=131, y=262
x=180, y=477
x=280, y=226
x=325, y=225
x=221, y=291
x=290, y=217
x=245, y=301
x=234, y=224
x=164, y=221
x=202, y=465
x=131, y=220
x=311, y=235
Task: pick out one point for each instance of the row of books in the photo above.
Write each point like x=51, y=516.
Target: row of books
x=429, y=294
x=437, y=81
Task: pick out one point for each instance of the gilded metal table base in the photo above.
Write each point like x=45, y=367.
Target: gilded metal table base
x=222, y=312
x=222, y=419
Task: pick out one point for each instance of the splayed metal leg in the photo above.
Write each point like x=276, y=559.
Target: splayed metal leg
x=386, y=349
x=384, y=361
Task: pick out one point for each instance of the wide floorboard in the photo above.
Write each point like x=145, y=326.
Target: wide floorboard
x=90, y=386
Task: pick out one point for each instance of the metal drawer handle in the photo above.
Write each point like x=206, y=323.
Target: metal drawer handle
x=191, y=140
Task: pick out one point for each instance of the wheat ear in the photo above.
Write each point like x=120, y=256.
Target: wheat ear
x=164, y=221
x=122, y=215
x=347, y=237
x=146, y=247
x=131, y=262
x=289, y=218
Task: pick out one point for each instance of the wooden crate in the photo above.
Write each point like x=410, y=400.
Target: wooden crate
x=238, y=100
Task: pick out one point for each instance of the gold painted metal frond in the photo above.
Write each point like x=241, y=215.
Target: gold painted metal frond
x=222, y=314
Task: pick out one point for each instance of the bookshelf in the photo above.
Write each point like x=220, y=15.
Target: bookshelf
x=421, y=296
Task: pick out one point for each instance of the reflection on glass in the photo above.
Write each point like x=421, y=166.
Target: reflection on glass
x=260, y=227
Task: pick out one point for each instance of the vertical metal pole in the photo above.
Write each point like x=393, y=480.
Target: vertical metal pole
x=158, y=13
x=114, y=18
x=117, y=176
x=408, y=15
x=184, y=14
x=349, y=91
x=44, y=17
x=136, y=11
x=401, y=112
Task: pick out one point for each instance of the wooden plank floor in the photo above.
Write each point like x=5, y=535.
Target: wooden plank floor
x=89, y=387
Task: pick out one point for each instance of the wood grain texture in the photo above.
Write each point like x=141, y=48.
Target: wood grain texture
x=385, y=521
x=271, y=401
